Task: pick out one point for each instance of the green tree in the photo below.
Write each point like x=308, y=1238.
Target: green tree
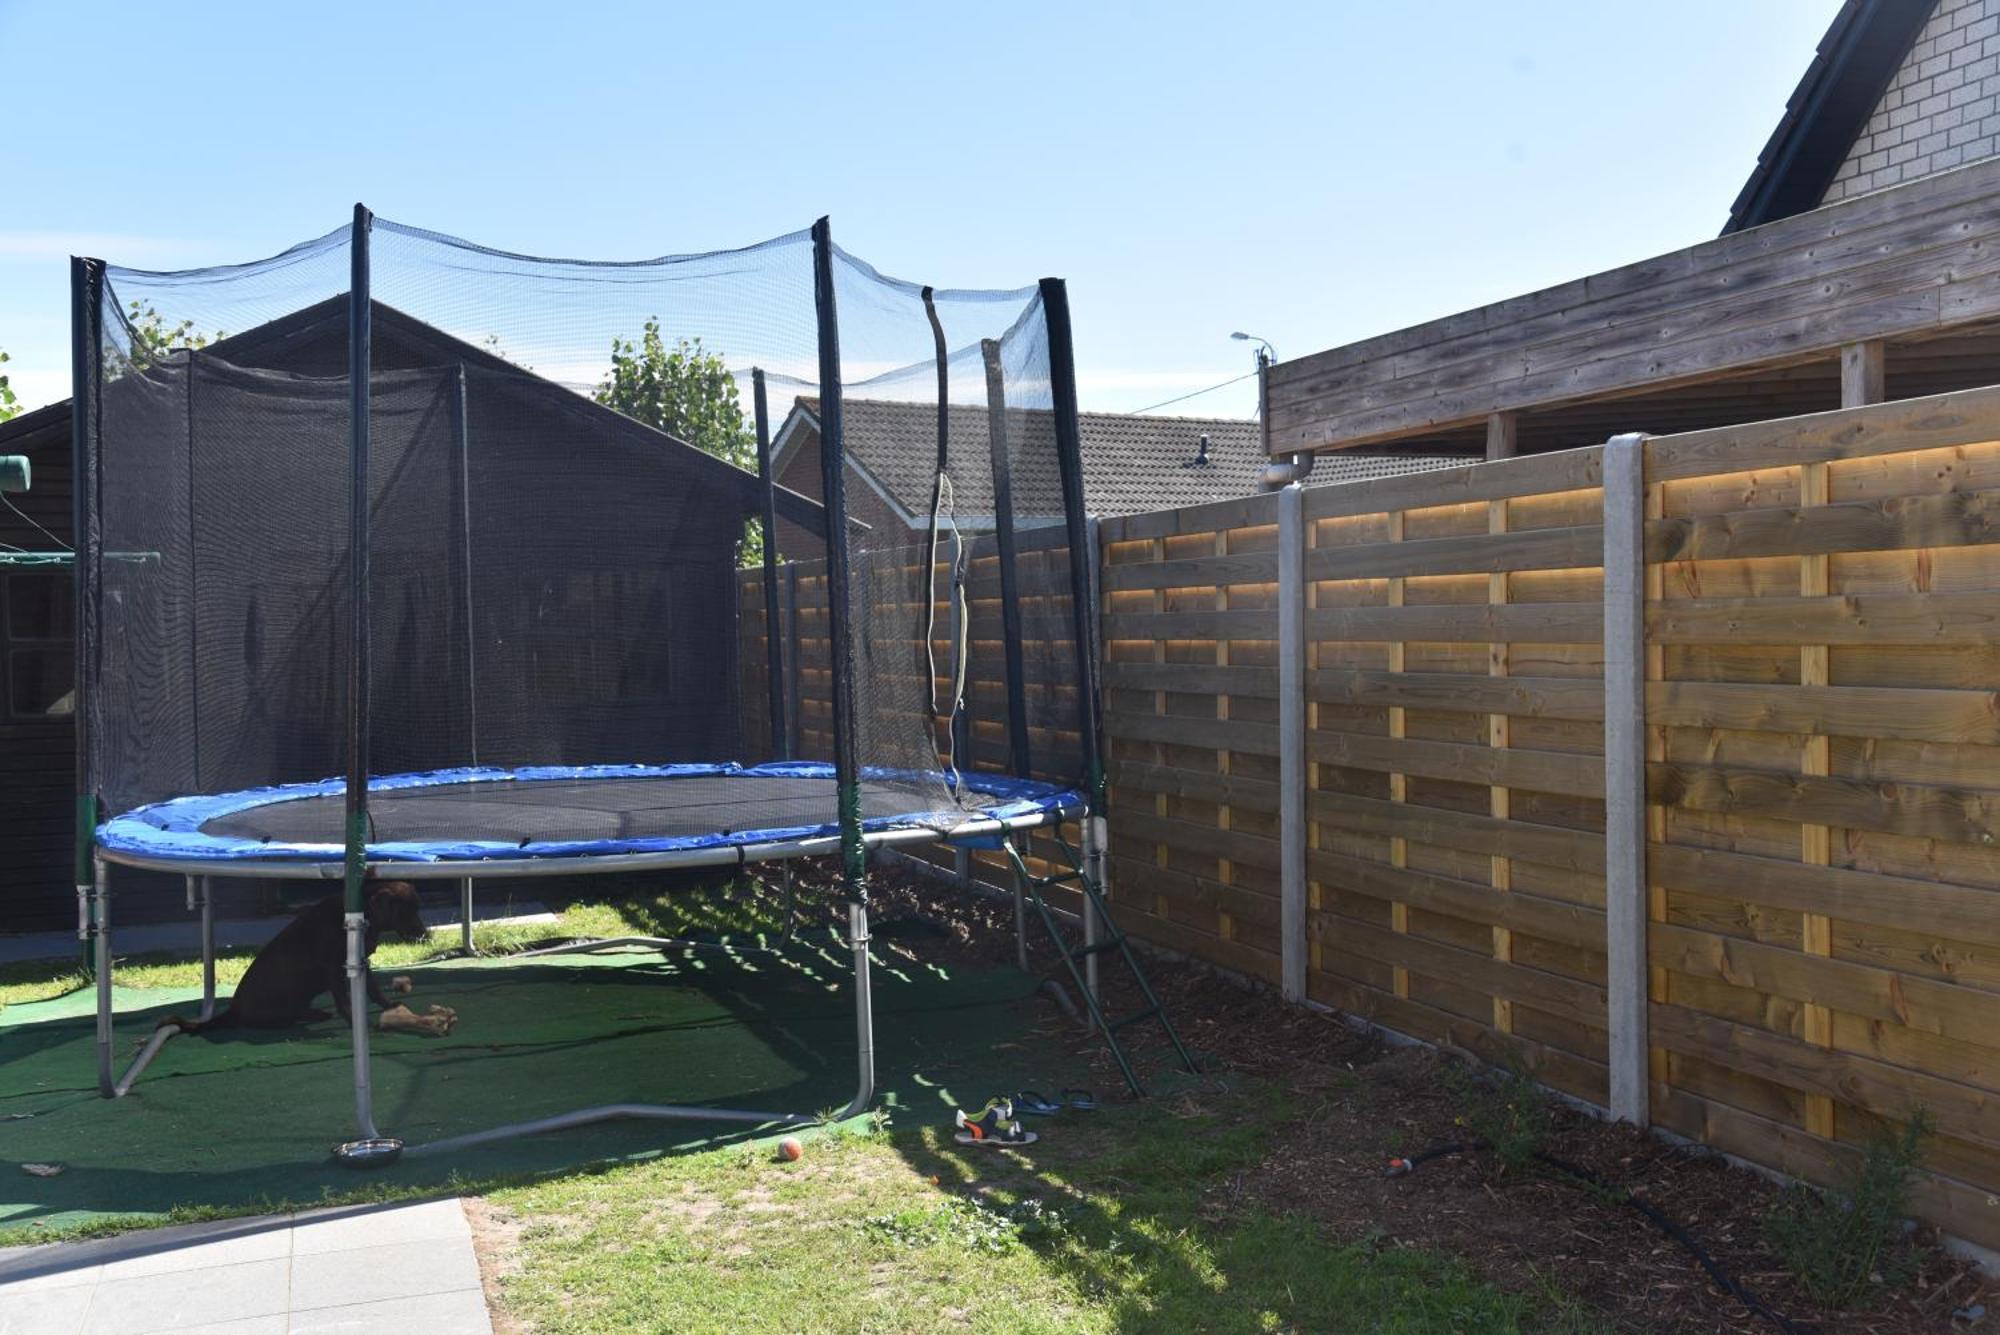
x=10, y=403
x=687, y=392
x=152, y=337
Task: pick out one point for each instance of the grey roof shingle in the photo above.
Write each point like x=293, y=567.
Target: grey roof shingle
x=1131, y=464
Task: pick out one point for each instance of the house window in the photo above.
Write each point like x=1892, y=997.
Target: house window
x=37, y=620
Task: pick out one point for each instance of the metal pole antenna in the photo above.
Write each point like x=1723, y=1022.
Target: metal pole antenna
x=847, y=772
x=774, y=645
x=359, y=330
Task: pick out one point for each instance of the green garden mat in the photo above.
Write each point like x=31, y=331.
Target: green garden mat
x=248, y=1119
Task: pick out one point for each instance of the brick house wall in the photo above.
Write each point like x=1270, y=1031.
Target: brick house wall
x=1942, y=108
x=801, y=474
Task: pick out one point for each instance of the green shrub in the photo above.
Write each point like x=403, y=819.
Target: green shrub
x=1843, y=1241
x=1506, y=1110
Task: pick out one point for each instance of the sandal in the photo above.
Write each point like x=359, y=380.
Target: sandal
x=1080, y=1099
x=1028, y=1101
x=992, y=1125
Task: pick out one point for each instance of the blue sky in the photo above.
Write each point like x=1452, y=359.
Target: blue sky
x=1311, y=173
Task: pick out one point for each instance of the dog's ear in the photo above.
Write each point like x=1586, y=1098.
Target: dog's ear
x=389, y=901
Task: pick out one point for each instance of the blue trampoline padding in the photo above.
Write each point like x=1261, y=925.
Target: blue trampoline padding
x=172, y=830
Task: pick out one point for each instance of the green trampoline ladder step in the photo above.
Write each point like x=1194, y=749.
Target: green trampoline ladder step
x=1075, y=957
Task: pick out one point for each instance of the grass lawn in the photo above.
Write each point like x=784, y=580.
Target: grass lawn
x=1116, y=1220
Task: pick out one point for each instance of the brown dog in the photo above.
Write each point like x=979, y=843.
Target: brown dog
x=308, y=959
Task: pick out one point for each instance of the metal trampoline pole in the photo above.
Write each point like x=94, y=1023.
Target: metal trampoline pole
x=360, y=364
x=1020, y=912
x=207, y=946
x=101, y=963
x=465, y=915
x=864, y=1012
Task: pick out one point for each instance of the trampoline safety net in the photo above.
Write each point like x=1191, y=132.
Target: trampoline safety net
x=571, y=560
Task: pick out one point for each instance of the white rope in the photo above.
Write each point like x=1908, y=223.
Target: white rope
x=942, y=515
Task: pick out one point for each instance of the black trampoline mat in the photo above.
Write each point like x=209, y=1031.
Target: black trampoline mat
x=551, y=810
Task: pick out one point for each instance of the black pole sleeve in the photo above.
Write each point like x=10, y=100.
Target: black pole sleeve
x=1069, y=458
x=1003, y=531
x=774, y=643
x=462, y=441
x=359, y=329
x=86, y=295
x=833, y=487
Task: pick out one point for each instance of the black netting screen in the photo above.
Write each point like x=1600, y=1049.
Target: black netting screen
x=564, y=537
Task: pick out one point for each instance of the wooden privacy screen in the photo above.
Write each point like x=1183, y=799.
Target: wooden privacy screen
x=1821, y=602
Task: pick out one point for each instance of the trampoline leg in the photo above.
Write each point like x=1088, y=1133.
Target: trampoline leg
x=1094, y=831
x=207, y=948
x=465, y=915
x=791, y=901
x=1020, y=917
x=101, y=962
x=357, y=1001
x=864, y=1012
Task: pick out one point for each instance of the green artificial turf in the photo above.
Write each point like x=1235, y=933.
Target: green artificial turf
x=246, y=1120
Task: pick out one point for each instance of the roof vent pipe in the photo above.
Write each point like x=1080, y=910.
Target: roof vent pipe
x=1279, y=472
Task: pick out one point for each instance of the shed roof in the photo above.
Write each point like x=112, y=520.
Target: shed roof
x=1131, y=463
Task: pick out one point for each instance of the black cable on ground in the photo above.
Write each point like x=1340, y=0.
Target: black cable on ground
x=1624, y=1195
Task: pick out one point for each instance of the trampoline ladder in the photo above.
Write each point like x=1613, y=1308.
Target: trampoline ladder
x=1114, y=941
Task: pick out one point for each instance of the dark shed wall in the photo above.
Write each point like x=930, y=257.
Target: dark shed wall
x=37, y=755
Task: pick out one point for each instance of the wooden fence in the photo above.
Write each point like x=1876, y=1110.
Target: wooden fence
x=1047, y=660
x=1357, y=738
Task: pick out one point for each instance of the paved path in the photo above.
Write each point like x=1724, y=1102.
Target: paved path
x=406, y=1269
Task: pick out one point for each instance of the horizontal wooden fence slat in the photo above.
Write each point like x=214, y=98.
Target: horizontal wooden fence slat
x=1962, y=1111
x=1194, y=572
x=1535, y=549
x=1934, y=907
x=1576, y=698
x=1542, y=771
x=1923, y=1004
x=1849, y=711
x=1515, y=623
x=1571, y=924
x=1875, y=619
x=1565, y=996
x=1575, y=850
x=1959, y=816
x=1234, y=790
x=1193, y=678
x=1952, y=519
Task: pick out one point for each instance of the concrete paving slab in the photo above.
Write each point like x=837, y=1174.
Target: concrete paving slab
x=377, y=1226
x=373, y=1274
x=460, y=1313
x=346, y=1270
x=201, y=1295
x=44, y=1311
x=275, y=1324
x=270, y=1244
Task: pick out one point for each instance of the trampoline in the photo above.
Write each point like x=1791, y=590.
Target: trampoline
x=468, y=565
x=547, y=820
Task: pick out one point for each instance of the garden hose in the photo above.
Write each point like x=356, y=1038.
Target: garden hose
x=1403, y=1167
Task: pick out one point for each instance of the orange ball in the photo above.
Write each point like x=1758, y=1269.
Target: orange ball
x=791, y=1148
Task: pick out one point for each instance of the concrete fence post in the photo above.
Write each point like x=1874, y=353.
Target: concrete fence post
x=1625, y=773
x=1292, y=925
